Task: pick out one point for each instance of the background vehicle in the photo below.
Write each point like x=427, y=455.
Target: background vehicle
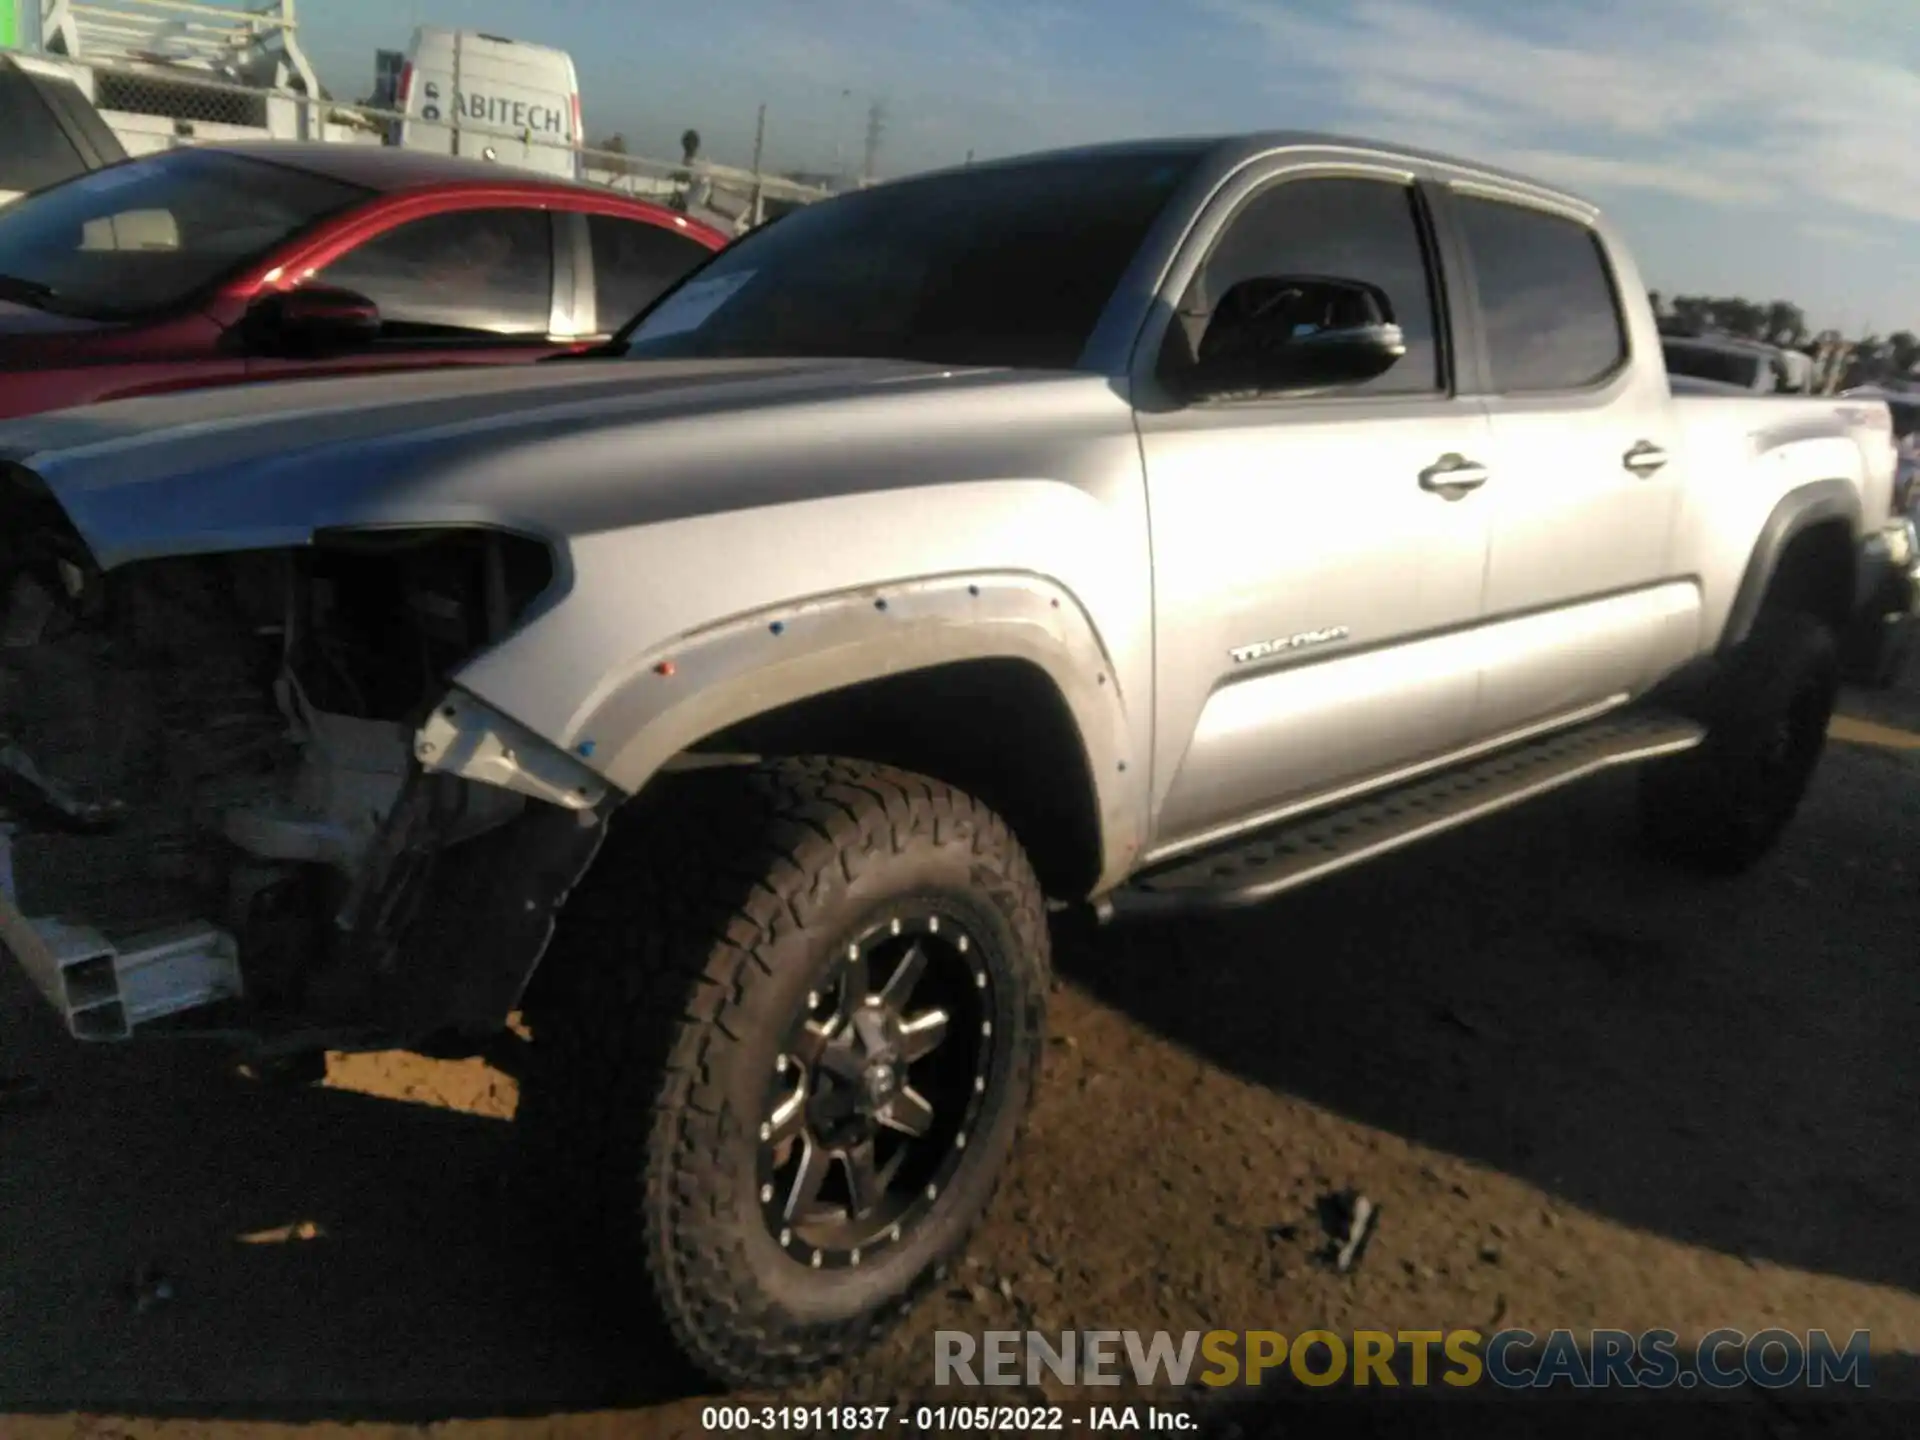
x=1905, y=408
x=162, y=73
x=263, y=261
x=1745, y=364
x=1880, y=656
x=1152, y=527
x=485, y=96
x=52, y=132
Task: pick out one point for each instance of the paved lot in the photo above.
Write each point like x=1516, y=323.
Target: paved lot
x=1583, y=1093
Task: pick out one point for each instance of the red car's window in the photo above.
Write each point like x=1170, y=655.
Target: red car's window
x=462, y=273
x=633, y=262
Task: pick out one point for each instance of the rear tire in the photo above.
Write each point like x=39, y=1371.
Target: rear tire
x=1720, y=808
x=1880, y=661
x=705, y=976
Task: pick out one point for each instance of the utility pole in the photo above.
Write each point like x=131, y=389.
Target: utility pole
x=969, y=159
x=876, y=127
x=840, y=118
x=457, y=100
x=756, y=206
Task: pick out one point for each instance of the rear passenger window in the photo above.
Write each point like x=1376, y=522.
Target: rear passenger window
x=1352, y=229
x=1547, y=300
x=461, y=274
x=632, y=263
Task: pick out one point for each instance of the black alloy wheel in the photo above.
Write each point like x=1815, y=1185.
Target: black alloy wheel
x=875, y=1089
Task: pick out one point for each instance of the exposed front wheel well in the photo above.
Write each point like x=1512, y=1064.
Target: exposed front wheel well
x=998, y=729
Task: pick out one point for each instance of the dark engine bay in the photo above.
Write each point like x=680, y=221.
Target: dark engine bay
x=206, y=763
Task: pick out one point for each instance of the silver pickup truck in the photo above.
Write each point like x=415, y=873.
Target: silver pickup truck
x=1140, y=528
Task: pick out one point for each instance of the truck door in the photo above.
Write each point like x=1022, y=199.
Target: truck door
x=1581, y=605
x=1318, y=559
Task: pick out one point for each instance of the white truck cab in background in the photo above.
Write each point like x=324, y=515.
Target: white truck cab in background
x=49, y=130
x=1749, y=365
x=162, y=73
x=467, y=93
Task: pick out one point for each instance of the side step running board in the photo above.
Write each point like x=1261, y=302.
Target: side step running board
x=1302, y=850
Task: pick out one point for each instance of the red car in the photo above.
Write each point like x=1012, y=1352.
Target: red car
x=220, y=264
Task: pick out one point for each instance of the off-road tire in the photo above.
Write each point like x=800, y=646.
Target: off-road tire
x=696, y=937
x=1720, y=808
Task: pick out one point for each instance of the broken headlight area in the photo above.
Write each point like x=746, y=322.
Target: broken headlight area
x=208, y=777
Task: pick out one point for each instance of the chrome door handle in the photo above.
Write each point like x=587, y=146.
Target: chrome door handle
x=1452, y=476
x=1644, y=458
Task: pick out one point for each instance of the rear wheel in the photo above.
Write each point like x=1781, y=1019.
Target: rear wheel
x=1721, y=807
x=1878, y=657
x=789, y=1036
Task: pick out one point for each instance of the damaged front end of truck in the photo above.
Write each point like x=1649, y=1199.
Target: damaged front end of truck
x=242, y=794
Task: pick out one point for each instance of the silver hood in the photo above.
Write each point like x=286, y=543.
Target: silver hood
x=557, y=450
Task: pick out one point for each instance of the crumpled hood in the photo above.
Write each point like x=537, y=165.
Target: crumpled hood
x=554, y=449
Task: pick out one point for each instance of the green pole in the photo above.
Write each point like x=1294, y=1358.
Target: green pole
x=10, y=23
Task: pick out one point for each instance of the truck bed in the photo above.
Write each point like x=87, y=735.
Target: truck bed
x=1727, y=422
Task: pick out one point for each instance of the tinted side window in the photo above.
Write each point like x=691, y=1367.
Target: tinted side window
x=36, y=152
x=468, y=272
x=1546, y=297
x=1351, y=229
x=632, y=263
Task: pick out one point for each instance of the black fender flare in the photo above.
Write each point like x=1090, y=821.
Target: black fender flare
x=1799, y=510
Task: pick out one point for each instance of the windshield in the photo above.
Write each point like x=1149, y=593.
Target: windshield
x=1710, y=362
x=138, y=238
x=1002, y=265
x=1906, y=419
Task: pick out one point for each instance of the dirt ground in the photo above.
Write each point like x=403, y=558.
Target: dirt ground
x=1581, y=1091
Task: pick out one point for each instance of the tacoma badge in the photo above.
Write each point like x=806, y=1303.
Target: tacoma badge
x=1301, y=641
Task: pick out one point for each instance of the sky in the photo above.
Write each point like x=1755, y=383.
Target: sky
x=1762, y=148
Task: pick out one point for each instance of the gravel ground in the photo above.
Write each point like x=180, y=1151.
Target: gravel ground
x=1581, y=1091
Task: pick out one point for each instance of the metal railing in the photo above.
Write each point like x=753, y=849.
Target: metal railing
x=253, y=44
x=155, y=108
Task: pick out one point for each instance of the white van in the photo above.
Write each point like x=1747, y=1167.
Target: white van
x=465, y=93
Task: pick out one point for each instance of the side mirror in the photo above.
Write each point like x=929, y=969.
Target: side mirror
x=313, y=318
x=1295, y=332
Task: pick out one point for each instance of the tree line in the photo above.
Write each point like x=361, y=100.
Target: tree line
x=1870, y=360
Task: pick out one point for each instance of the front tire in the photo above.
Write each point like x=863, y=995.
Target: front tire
x=789, y=1036
x=1719, y=809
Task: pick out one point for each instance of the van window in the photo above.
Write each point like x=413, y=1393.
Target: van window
x=458, y=274
x=633, y=262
